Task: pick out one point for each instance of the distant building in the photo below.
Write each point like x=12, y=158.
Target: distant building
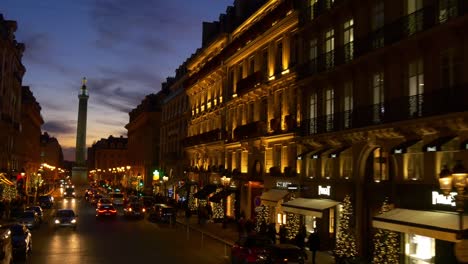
x=51, y=151
x=144, y=138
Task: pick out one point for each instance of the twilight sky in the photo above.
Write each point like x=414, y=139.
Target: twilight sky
x=125, y=48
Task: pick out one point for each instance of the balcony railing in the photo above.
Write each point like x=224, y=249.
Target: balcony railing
x=251, y=130
x=207, y=137
x=438, y=102
x=402, y=28
x=250, y=82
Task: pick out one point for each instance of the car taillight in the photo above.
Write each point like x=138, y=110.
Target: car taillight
x=143, y=210
x=101, y=211
x=113, y=211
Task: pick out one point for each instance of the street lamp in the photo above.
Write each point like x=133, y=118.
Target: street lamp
x=225, y=181
x=457, y=178
x=165, y=179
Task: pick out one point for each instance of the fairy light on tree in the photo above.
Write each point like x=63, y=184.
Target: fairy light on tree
x=292, y=225
x=218, y=211
x=386, y=243
x=345, y=239
x=192, y=204
x=262, y=216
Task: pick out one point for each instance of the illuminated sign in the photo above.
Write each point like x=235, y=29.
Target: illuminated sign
x=438, y=198
x=398, y=151
x=324, y=190
x=431, y=149
x=283, y=185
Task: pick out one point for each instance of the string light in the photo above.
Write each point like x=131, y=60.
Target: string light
x=386, y=245
x=292, y=225
x=345, y=239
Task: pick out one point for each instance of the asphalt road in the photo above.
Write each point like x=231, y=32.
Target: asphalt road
x=118, y=241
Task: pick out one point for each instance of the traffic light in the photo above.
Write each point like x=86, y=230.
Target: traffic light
x=140, y=183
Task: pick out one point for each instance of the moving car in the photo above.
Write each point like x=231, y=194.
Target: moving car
x=21, y=238
x=46, y=201
x=6, y=246
x=38, y=210
x=282, y=253
x=65, y=218
x=103, y=201
x=250, y=249
x=29, y=218
x=117, y=198
x=69, y=192
x=106, y=210
x=162, y=213
x=134, y=210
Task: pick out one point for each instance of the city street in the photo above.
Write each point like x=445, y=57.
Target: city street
x=117, y=241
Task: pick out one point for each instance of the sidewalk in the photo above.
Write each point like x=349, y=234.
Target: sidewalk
x=229, y=235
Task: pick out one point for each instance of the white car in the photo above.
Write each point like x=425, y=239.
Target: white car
x=117, y=198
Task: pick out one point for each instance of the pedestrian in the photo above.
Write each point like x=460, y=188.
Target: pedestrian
x=314, y=244
x=283, y=234
x=209, y=210
x=271, y=232
x=300, y=237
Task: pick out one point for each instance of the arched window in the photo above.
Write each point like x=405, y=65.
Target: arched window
x=380, y=165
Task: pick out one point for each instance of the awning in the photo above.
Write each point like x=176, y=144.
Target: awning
x=336, y=152
x=305, y=206
x=316, y=154
x=403, y=147
x=205, y=191
x=273, y=196
x=219, y=196
x=439, y=225
x=4, y=180
x=436, y=145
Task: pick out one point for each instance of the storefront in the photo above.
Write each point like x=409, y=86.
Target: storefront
x=273, y=199
x=316, y=213
x=424, y=234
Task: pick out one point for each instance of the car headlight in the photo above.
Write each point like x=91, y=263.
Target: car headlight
x=73, y=221
x=261, y=257
x=57, y=221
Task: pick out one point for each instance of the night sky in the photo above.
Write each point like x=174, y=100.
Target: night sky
x=125, y=48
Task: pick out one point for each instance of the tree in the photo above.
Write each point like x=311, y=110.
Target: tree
x=262, y=217
x=345, y=239
x=386, y=244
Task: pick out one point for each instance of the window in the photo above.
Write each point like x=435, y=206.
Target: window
x=419, y=249
x=312, y=168
x=348, y=104
x=277, y=156
x=378, y=96
x=312, y=4
x=447, y=68
x=327, y=167
x=377, y=24
x=329, y=107
x=294, y=50
x=416, y=87
x=313, y=53
x=279, y=57
x=447, y=9
x=380, y=165
x=346, y=162
x=313, y=114
x=251, y=65
x=414, y=164
x=415, y=17
x=240, y=72
x=348, y=38
x=329, y=48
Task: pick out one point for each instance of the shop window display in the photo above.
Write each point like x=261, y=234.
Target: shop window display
x=419, y=249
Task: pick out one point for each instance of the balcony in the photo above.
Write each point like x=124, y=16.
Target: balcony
x=211, y=136
x=438, y=102
x=250, y=82
x=251, y=130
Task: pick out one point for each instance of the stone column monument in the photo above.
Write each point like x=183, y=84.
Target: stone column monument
x=80, y=171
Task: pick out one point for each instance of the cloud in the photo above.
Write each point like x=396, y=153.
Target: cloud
x=59, y=127
x=68, y=153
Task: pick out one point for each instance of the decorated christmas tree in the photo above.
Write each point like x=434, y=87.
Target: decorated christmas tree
x=292, y=225
x=262, y=216
x=345, y=239
x=386, y=245
x=192, y=204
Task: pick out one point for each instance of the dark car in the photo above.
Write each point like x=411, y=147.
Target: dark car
x=6, y=246
x=46, y=201
x=162, y=213
x=65, y=218
x=250, y=249
x=21, y=238
x=147, y=201
x=38, y=210
x=282, y=253
x=69, y=193
x=29, y=218
x=134, y=210
x=106, y=210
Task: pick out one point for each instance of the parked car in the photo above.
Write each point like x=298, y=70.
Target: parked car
x=29, y=218
x=250, y=249
x=6, y=246
x=147, y=201
x=162, y=213
x=65, y=218
x=106, y=210
x=38, y=210
x=134, y=210
x=282, y=253
x=21, y=238
x=46, y=201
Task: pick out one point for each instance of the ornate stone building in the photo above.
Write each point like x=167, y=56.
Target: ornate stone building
x=11, y=76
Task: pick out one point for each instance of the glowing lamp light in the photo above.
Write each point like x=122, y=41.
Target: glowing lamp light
x=459, y=176
x=445, y=180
